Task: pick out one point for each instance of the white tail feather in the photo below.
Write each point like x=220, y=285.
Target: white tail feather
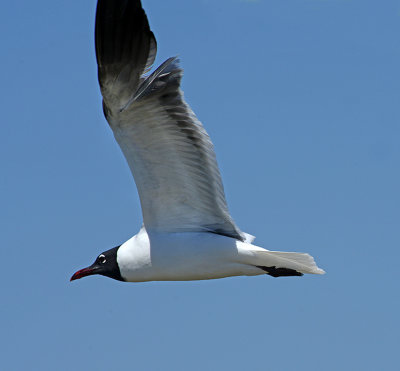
x=300, y=262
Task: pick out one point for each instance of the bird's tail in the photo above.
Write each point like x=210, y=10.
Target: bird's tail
x=278, y=263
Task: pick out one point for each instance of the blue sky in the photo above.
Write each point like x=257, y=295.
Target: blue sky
x=301, y=99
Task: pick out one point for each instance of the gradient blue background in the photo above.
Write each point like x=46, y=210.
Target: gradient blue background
x=301, y=99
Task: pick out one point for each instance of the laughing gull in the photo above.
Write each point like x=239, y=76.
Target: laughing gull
x=187, y=232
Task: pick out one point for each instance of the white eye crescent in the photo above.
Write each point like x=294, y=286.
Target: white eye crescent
x=102, y=259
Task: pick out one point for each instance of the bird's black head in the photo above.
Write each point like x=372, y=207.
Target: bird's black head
x=105, y=264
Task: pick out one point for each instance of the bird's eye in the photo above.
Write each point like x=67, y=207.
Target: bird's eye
x=102, y=259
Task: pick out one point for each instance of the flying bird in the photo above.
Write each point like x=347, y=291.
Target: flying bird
x=187, y=232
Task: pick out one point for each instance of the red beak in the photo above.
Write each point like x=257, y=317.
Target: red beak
x=83, y=273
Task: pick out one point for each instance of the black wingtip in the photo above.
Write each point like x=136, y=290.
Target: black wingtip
x=122, y=36
x=280, y=272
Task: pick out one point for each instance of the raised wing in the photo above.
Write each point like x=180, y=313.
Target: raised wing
x=168, y=151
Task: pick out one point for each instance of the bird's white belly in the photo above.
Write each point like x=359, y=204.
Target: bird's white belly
x=181, y=257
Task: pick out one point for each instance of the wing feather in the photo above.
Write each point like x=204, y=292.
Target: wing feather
x=167, y=148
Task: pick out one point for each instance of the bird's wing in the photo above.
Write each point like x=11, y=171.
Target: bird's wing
x=168, y=151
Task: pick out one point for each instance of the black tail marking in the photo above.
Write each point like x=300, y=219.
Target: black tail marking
x=280, y=272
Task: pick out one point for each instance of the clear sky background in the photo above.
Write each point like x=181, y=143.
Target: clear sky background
x=301, y=99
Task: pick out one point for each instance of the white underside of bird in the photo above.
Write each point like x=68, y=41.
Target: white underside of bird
x=186, y=256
